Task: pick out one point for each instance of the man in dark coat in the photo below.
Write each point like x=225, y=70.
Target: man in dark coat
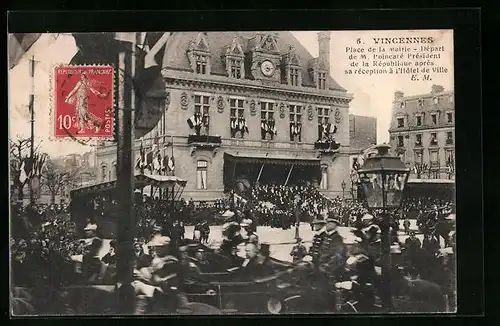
x=319, y=228
x=413, y=252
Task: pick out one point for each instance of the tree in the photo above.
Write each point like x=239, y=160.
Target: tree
x=20, y=173
x=55, y=179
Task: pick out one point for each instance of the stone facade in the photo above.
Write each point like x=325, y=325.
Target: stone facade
x=216, y=88
x=362, y=132
x=423, y=131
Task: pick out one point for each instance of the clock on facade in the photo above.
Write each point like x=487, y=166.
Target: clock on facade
x=267, y=68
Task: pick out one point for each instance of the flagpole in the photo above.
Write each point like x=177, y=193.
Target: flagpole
x=32, y=140
x=172, y=152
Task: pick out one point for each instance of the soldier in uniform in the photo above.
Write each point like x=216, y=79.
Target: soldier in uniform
x=319, y=228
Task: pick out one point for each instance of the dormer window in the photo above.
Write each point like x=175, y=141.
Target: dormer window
x=201, y=64
x=419, y=120
x=235, y=68
x=199, y=54
x=434, y=118
x=420, y=102
x=435, y=100
x=294, y=76
x=403, y=104
x=322, y=80
x=401, y=122
x=233, y=58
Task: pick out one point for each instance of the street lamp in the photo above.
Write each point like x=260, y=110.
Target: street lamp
x=343, y=188
x=383, y=178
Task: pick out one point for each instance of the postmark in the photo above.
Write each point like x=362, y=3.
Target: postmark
x=83, y=101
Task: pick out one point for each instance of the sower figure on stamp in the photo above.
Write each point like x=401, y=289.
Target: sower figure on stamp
x=79, y=97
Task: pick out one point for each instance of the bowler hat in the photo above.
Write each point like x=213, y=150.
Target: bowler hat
x=299, y=239
x=332, y=219
x=318, y=221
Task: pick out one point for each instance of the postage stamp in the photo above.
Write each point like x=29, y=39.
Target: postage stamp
x=83, y=101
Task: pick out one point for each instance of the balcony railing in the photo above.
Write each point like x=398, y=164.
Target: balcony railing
x=418, y=144
x=327, y=146
x=449, y=141
x=434, y=143
x=204, y=140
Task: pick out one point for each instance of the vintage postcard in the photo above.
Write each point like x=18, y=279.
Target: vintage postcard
x=223, y=173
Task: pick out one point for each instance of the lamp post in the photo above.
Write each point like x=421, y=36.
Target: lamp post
x=383, y=178
x=343, y=189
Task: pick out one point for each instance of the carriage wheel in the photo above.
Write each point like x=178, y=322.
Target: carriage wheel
x=274, y=306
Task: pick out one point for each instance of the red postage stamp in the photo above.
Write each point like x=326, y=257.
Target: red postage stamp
x=83, y=103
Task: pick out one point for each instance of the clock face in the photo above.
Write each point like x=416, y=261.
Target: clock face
x=267, y=68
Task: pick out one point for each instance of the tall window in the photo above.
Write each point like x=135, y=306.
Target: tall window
x=449, y=138
x=322, y=80
x=201, y=175
x=236, y=112
x=235, y=65
x=294, y=76
x=418, y=140
x=103, y=173
x=267, y=119
x=115, y=172
x=400, y=141
x=434, y=141
x=324, y=178
x=449, y=157
x=419, y=158
x=295, y=123
x=434, y=118
x=201, y=64
x=202, y=106
x=323, y=119
x=401, y=122
x=419, y=120
x=434, y=157
x=449, y=117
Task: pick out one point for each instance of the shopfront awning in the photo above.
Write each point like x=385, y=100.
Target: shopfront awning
x=283, y=159
x=141, y=180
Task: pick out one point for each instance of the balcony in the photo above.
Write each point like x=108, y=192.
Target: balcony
x=204, y=142
x=418, y=144
x=449, y=141
x=434, y=165
x=433, y=143
x=327, y=147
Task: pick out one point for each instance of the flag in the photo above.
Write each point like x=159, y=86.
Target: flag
x=22, y=174
x=193, y=121
x=42, y=164
x=157, y=163
x=171, y=163
x=165, y=162
x=19, y=44
x=245, y=127
x=332, y=129
x=150, y=156
x=233, y=124
x=263, y=126
x=415, y=169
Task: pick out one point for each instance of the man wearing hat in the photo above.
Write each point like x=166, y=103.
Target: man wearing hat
x=298, y=252
x=333, y=252
x=319, y=228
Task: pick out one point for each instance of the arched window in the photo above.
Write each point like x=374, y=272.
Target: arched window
x=201, y=175
x=103, y=172
x=324, y=177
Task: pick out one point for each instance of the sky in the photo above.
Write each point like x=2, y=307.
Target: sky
x=373, y=95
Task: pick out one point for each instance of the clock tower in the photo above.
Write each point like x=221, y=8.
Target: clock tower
x=265, y=58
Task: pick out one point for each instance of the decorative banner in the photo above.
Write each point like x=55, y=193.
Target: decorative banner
x=184, y=101
x=253, y=110
x=310, y=115
x=282, y=111
x=338, y=117
x=220, y=105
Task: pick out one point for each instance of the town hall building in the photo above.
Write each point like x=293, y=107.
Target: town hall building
x=241, y=108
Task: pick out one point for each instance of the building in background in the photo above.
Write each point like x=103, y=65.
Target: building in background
x=362, y=132
x=242, y=107
x=422, y=132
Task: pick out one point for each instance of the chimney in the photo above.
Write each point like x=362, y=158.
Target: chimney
x=437, y=89
x=398, y=95
x=324, y=48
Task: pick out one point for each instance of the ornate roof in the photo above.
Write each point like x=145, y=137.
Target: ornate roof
x=176, y=57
